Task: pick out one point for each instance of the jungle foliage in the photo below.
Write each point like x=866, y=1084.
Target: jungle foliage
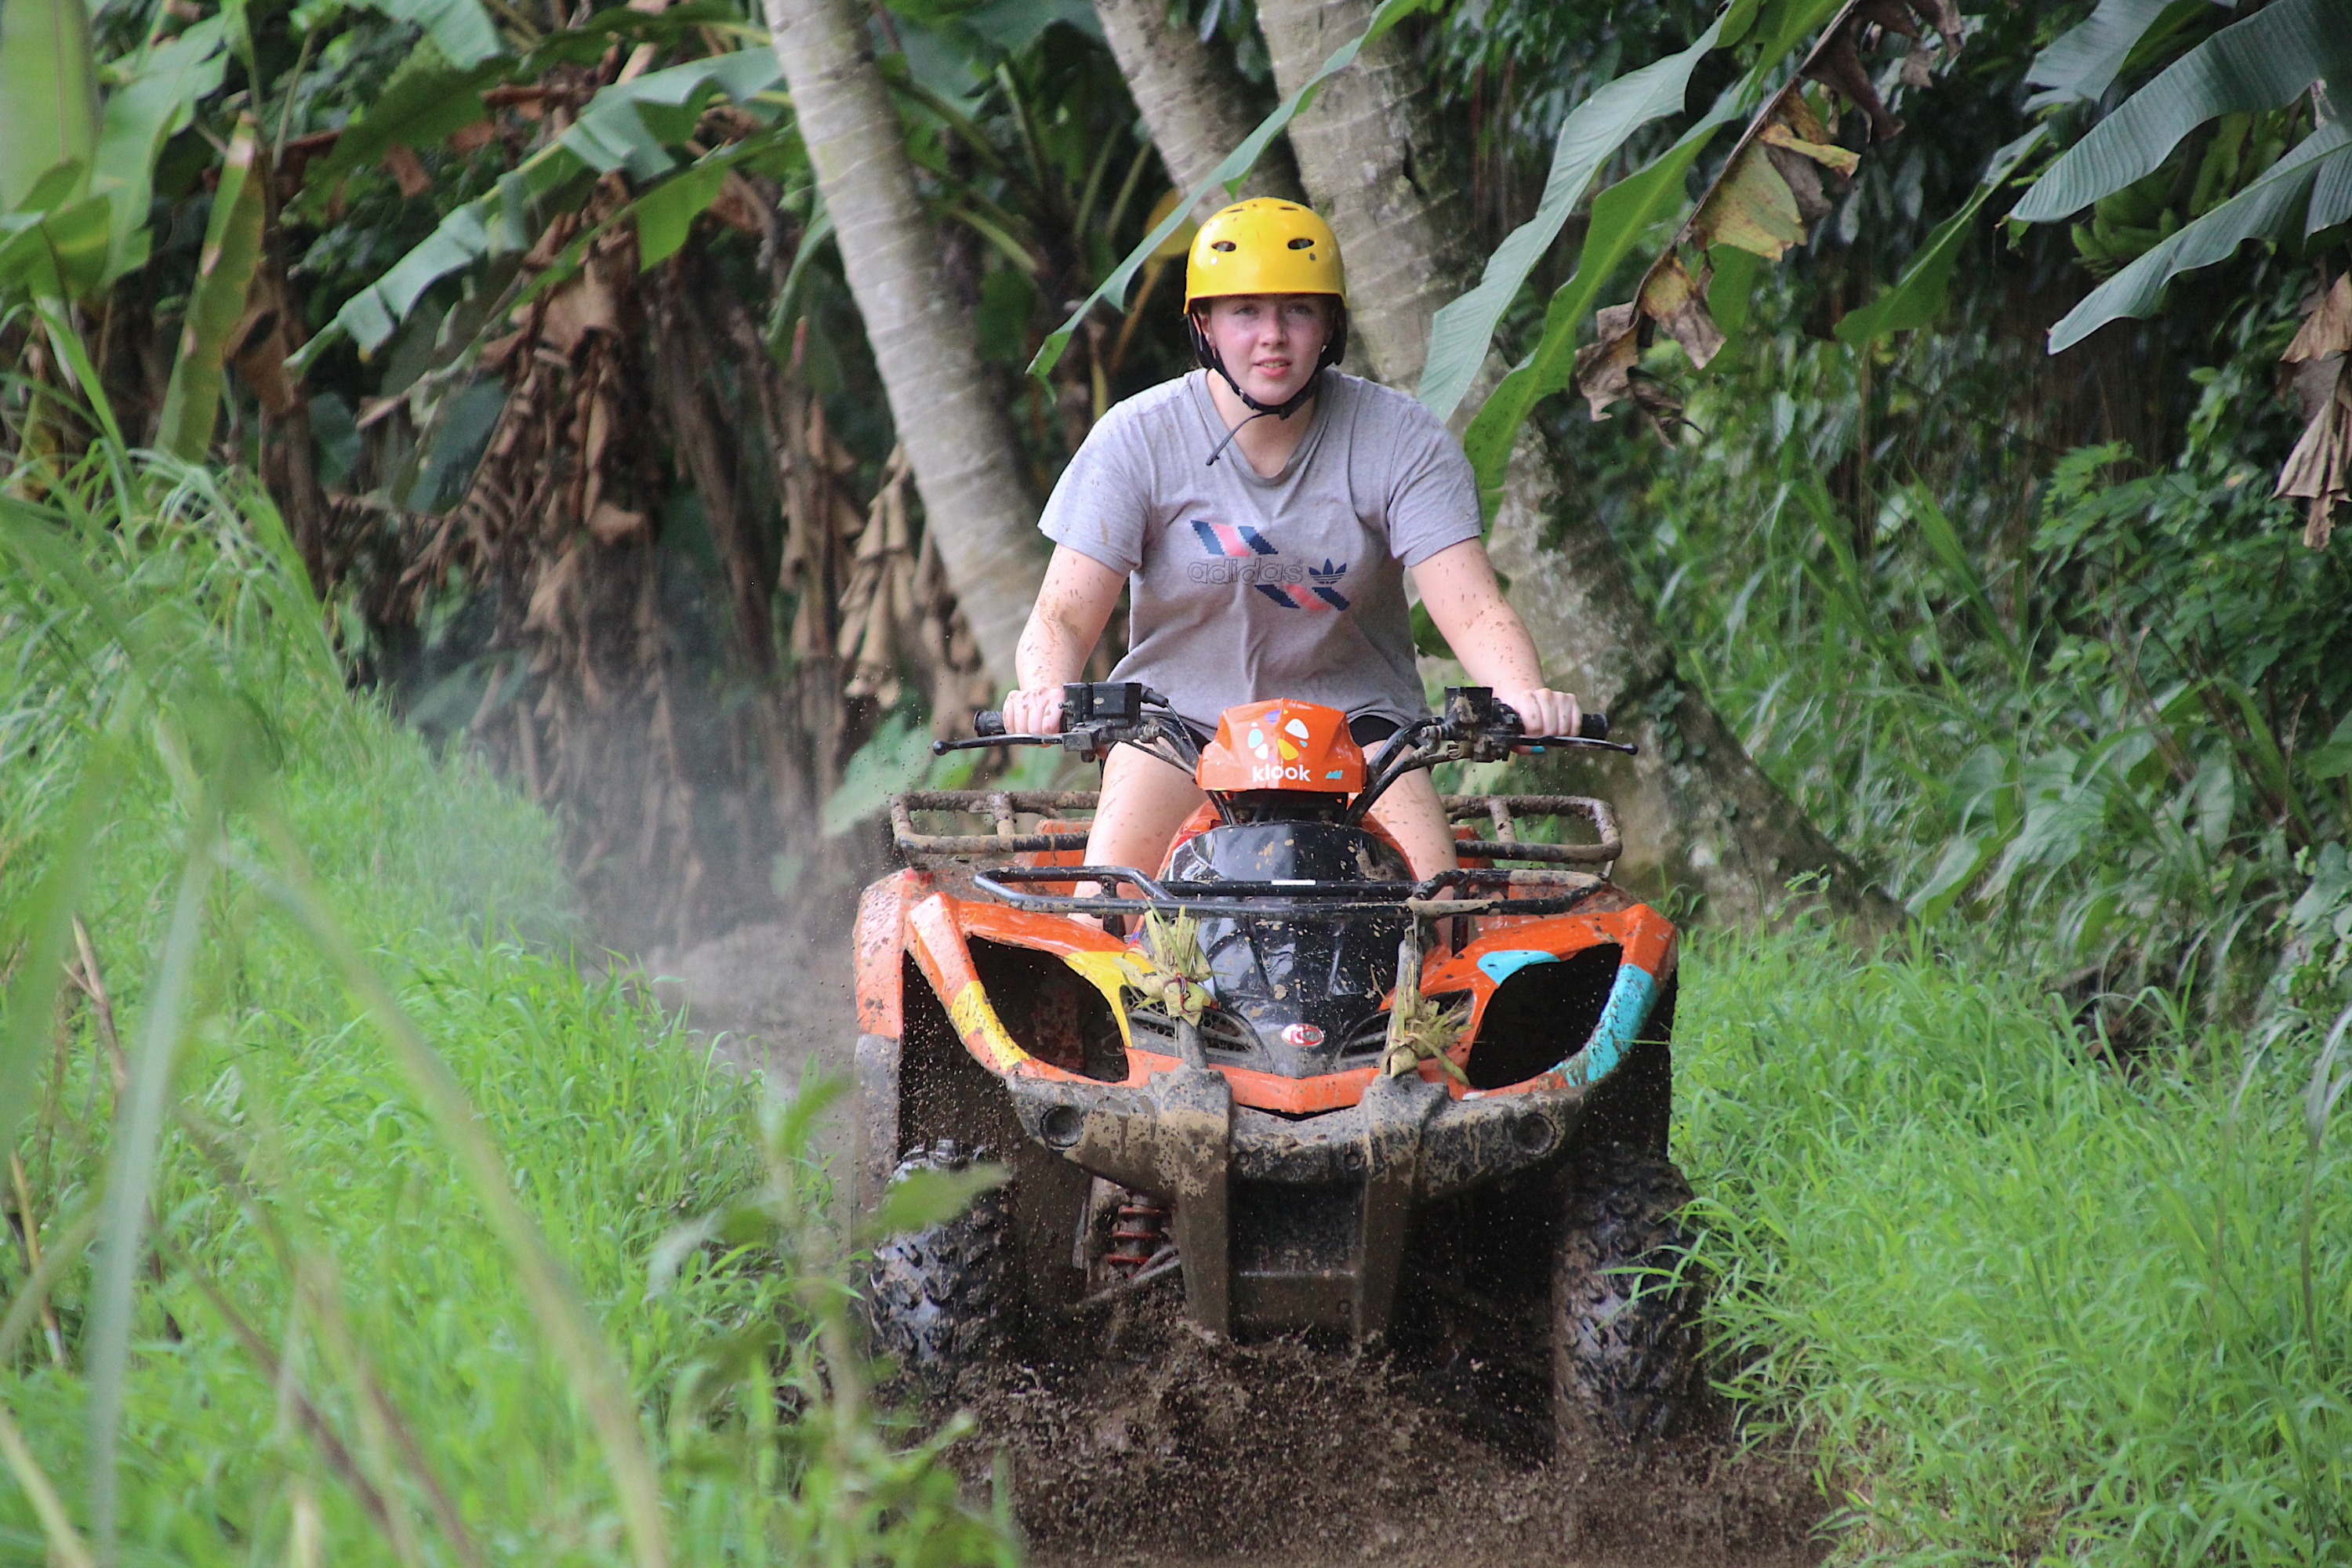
x=405, y=1238
x=527, y=323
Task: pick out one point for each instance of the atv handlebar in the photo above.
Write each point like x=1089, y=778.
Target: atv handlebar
x=1098, y=715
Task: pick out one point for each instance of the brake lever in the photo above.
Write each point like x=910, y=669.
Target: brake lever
x=942, y=748
x=1537, y=743
x=1092, y=743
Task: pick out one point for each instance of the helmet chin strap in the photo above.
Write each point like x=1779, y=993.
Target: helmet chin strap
x=1284, y=410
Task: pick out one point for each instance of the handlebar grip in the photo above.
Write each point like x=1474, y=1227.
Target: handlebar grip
x=988, y=721
x=1593, y=727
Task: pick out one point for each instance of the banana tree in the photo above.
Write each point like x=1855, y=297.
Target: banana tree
x=2290, y=64
x=79, y=164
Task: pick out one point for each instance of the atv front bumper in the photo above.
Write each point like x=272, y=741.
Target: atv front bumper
x=1285, y=1223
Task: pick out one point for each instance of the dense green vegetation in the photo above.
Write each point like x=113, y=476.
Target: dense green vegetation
x=2031, y=1227
x=2022, y=1306
x=348, y=1349
x=2095, y=699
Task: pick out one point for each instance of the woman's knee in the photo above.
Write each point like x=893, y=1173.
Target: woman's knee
x=1415, y=817
x=1143, y=803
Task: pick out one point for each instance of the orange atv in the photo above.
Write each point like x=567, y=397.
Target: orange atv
x=1327, y=1095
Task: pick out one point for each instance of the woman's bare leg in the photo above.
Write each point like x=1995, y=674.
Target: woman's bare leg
x=1415, y=818
x=1144, y=801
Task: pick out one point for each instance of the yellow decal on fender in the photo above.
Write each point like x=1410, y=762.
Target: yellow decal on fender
x=976, y=1021
x=1108, y=972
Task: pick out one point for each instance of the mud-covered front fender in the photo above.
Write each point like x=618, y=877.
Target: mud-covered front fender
x=1235, y=1171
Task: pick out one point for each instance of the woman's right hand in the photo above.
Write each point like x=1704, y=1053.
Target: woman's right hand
x=1035, y=711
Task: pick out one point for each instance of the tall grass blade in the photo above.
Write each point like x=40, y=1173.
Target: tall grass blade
x=2319, y=1102
x=579, y=1346
x=131, y=1170
x=66, y=1545
x=31, y=999
x=63, y=1252
x=68, y=345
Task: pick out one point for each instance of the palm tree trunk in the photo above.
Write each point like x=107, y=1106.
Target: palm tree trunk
x=1697, y=812
x=1190, y=99
x=974, y=501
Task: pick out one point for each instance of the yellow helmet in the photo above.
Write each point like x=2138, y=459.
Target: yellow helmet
x=1264, y=247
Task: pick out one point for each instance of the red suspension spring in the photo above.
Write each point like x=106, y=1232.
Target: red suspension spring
x=1140, y=1232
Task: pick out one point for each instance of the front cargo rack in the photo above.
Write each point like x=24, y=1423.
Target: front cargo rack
x=1504, y=816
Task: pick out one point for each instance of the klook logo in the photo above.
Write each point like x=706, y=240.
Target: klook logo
x=1277, y=745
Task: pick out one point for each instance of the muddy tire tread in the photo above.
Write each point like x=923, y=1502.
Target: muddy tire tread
x=1625, y=1365
x=941, y=1299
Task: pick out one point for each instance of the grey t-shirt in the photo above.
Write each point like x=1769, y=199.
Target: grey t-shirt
x=1245, y=588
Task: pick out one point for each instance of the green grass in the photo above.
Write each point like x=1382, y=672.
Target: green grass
x=2023, y=1305
x=412, y=1243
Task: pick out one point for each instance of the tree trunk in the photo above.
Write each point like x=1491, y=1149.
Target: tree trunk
x=1697, y=811
x=1190, y=99
x=1366, y=149
x=975, y=503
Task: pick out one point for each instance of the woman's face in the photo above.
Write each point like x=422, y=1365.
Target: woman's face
x=1270, y=343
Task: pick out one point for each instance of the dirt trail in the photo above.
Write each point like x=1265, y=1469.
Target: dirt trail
x=1143, y=1443
x=1150, y=1444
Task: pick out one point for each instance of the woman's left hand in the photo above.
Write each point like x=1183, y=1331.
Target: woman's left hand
x=1543, y=711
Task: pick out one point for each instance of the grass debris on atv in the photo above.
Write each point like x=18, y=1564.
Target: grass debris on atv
x=1330, y=1096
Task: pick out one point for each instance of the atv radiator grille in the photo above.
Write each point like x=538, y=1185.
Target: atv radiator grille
x=1220, y=1031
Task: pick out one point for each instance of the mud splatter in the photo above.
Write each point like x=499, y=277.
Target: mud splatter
x=1146, y=1443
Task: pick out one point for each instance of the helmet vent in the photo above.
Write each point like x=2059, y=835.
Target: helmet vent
x=1302, y=243
x=1221, y=244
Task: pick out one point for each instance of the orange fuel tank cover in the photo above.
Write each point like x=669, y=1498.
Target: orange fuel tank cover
x=1283, y=745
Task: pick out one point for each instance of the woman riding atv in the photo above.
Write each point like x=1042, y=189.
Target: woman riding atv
x=1280, y=575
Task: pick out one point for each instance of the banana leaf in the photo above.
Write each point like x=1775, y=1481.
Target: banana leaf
x=150, y=108
x=1593, y=131
x=631, y=125
x=1917, y=297
x=2269, y=59
x=2083, y=62
x=622, y=127
x=461, y=29
x=428, y=98
x=1622, y=214
x=48, y=92
x=217, y=304
x=2274, y=207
